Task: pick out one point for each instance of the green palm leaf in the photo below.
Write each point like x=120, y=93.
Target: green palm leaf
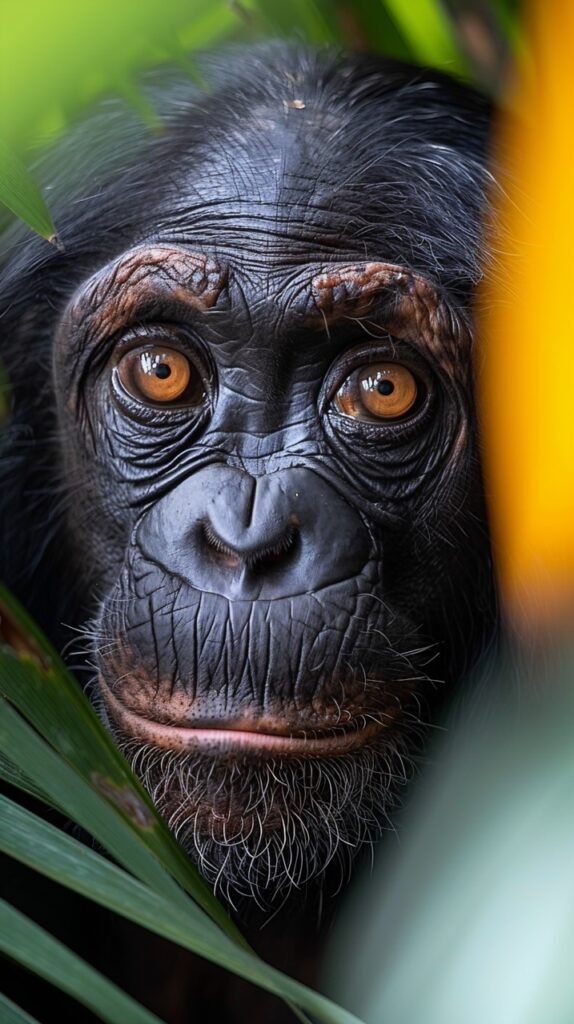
x=35, y=949
x=12, y=1014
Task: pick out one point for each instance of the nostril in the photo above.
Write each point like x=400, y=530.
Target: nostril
x=261, y=554
x=225, y=554
x=269, y=555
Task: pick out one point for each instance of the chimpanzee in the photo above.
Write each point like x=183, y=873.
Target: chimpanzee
x=242, y=456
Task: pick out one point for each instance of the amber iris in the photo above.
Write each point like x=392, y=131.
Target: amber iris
x=379, y=391
x=155, y=374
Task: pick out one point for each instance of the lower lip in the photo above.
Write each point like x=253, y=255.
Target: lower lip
x=187, y=739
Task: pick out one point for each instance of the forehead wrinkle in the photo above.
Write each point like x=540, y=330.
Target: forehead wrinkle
x=262, y=195
x=290, y=231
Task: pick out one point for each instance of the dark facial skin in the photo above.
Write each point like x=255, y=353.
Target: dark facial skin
x=262, y=379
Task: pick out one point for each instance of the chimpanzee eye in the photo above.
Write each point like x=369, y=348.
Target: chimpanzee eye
x=161, y=375
x=379, y=391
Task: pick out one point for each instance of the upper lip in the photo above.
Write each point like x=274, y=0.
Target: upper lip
x=240, y=736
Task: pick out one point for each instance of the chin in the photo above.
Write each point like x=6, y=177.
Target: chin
x=262, y=821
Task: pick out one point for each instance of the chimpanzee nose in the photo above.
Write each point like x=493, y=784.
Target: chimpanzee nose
x=247, y=520
x=247, y=537
x=264, y=542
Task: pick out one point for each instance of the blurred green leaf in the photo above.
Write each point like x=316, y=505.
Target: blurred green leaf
x=35, y=949
x=472, y=919
x=303, y=19
x=12, y=1014
x=429, y=33
x=66, y=54
x=19, y=192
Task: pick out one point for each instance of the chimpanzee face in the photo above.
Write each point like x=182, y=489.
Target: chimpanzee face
x=266, y=397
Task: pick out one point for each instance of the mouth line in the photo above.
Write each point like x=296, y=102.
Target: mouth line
x=233, y=739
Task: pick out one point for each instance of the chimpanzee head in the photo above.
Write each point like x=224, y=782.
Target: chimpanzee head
x=243, y=451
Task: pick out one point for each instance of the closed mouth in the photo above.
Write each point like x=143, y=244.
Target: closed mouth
x=234, y=737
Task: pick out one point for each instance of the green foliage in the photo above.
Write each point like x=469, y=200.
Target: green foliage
x=12, y=1014
x=53, y=746
x=20, y=194
x=35, y=949
x=430, y=33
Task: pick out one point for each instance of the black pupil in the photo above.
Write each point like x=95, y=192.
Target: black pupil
x=385, y=387
x=163, y=371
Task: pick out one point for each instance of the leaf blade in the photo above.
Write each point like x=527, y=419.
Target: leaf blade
x=19, y=192
x=64, y=859
x=44, y=848
x=79, y=801
x=28, y=944
x=12, y=1014
x=428, y=31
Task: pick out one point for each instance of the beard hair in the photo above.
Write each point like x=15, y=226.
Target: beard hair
x=265, y=829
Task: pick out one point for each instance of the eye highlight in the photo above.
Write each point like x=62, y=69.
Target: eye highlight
x=379, y=391
x=160, y=375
